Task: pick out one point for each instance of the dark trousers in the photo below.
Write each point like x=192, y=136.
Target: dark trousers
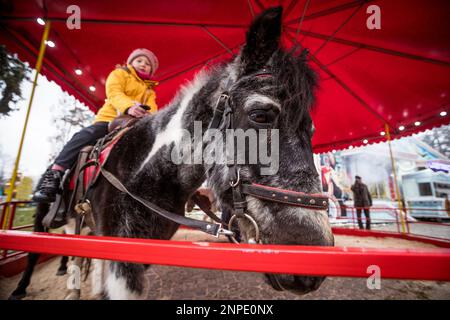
x=367, y=214
x=85, y=137
x=343, y=208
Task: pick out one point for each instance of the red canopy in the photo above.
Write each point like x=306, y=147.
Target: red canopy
x=398, y=74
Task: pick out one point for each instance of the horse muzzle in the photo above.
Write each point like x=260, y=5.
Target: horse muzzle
x=293, y=283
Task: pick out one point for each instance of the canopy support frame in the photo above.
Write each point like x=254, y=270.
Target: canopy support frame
x=25, y=125
x=396, y=187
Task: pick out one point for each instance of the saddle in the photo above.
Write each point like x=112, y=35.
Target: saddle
x=84, y=174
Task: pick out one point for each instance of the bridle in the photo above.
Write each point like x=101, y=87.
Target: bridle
x=223, y=114
x=223, y=117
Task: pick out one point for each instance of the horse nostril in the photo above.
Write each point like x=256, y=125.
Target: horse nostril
x=307, y=283
x=296, y=284
x=272, y=279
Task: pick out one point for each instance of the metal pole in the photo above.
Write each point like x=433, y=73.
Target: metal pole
x=397, y=189
x=19, y=152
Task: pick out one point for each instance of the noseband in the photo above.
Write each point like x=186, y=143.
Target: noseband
x=223, y=115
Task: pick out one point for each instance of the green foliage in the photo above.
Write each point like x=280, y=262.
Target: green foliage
x=24, y=188
x=24, y=216
x=12, y=73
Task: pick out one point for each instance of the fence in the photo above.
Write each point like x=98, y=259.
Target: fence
x=424, y=264
x=389, y=219
x=12, y=206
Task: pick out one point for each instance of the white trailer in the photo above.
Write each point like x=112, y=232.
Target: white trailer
x=425, y=192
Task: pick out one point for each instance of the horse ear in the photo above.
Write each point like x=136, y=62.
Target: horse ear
x=263, y=39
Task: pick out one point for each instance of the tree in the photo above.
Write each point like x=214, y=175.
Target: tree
x=438, y=139
x=12, y=73
x=69, y=116
x=2, y=172
x=24, y=189
x=5, y=162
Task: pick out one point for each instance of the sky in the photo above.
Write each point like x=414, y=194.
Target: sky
x=37, y=147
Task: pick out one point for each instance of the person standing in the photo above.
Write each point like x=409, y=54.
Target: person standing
x=362, y=201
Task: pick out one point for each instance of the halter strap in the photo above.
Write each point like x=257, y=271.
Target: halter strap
x=224, y=99
x=223, y=113
x=289, y=197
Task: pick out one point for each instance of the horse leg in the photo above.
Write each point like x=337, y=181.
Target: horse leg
x=75, y=279
x=125, y=281
x=21, y=290
x=62, y=270
x=97, y=277
x=75, y=267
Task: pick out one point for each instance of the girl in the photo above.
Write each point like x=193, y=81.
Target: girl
x=129, y=90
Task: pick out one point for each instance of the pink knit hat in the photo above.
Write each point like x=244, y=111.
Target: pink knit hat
x=148, y=54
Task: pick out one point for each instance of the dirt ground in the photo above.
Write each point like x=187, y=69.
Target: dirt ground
x=188, y=283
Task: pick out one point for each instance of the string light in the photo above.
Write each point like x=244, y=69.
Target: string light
x=401, y=128
x=40, y=21
x=50, y=43
x=78, y=72
x=417, y=123
x=365, y=141
x=92, y=88
x=443, y=113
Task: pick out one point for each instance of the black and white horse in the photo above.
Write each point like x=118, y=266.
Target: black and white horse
x=268, y=88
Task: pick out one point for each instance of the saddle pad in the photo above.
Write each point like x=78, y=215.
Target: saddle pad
x=91, y=173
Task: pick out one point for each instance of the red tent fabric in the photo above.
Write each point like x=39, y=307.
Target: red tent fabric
x=398, y=74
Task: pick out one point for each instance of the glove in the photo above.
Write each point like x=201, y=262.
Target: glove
x=145, y=107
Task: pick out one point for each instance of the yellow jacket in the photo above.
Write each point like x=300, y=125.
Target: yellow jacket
x=123, y=89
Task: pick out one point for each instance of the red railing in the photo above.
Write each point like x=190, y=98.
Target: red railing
x=12, y=206
x=429, y=264
x=443, y=229
x=424, y=264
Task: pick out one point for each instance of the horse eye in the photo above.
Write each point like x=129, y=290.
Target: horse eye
x=259, y=117
x=262, y=116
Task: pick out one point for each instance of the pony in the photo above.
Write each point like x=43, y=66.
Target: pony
x=267, y=90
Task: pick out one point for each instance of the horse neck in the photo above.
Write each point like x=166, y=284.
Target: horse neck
x=202, y=95
x=193, y=103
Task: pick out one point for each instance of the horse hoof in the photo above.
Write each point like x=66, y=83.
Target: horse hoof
x=73, y=295
x=61, y=272
x=17, y=296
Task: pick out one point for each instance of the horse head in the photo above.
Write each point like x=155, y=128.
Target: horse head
x=269, y=93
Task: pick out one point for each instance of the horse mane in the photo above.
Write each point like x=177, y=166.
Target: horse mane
x=296, y=82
